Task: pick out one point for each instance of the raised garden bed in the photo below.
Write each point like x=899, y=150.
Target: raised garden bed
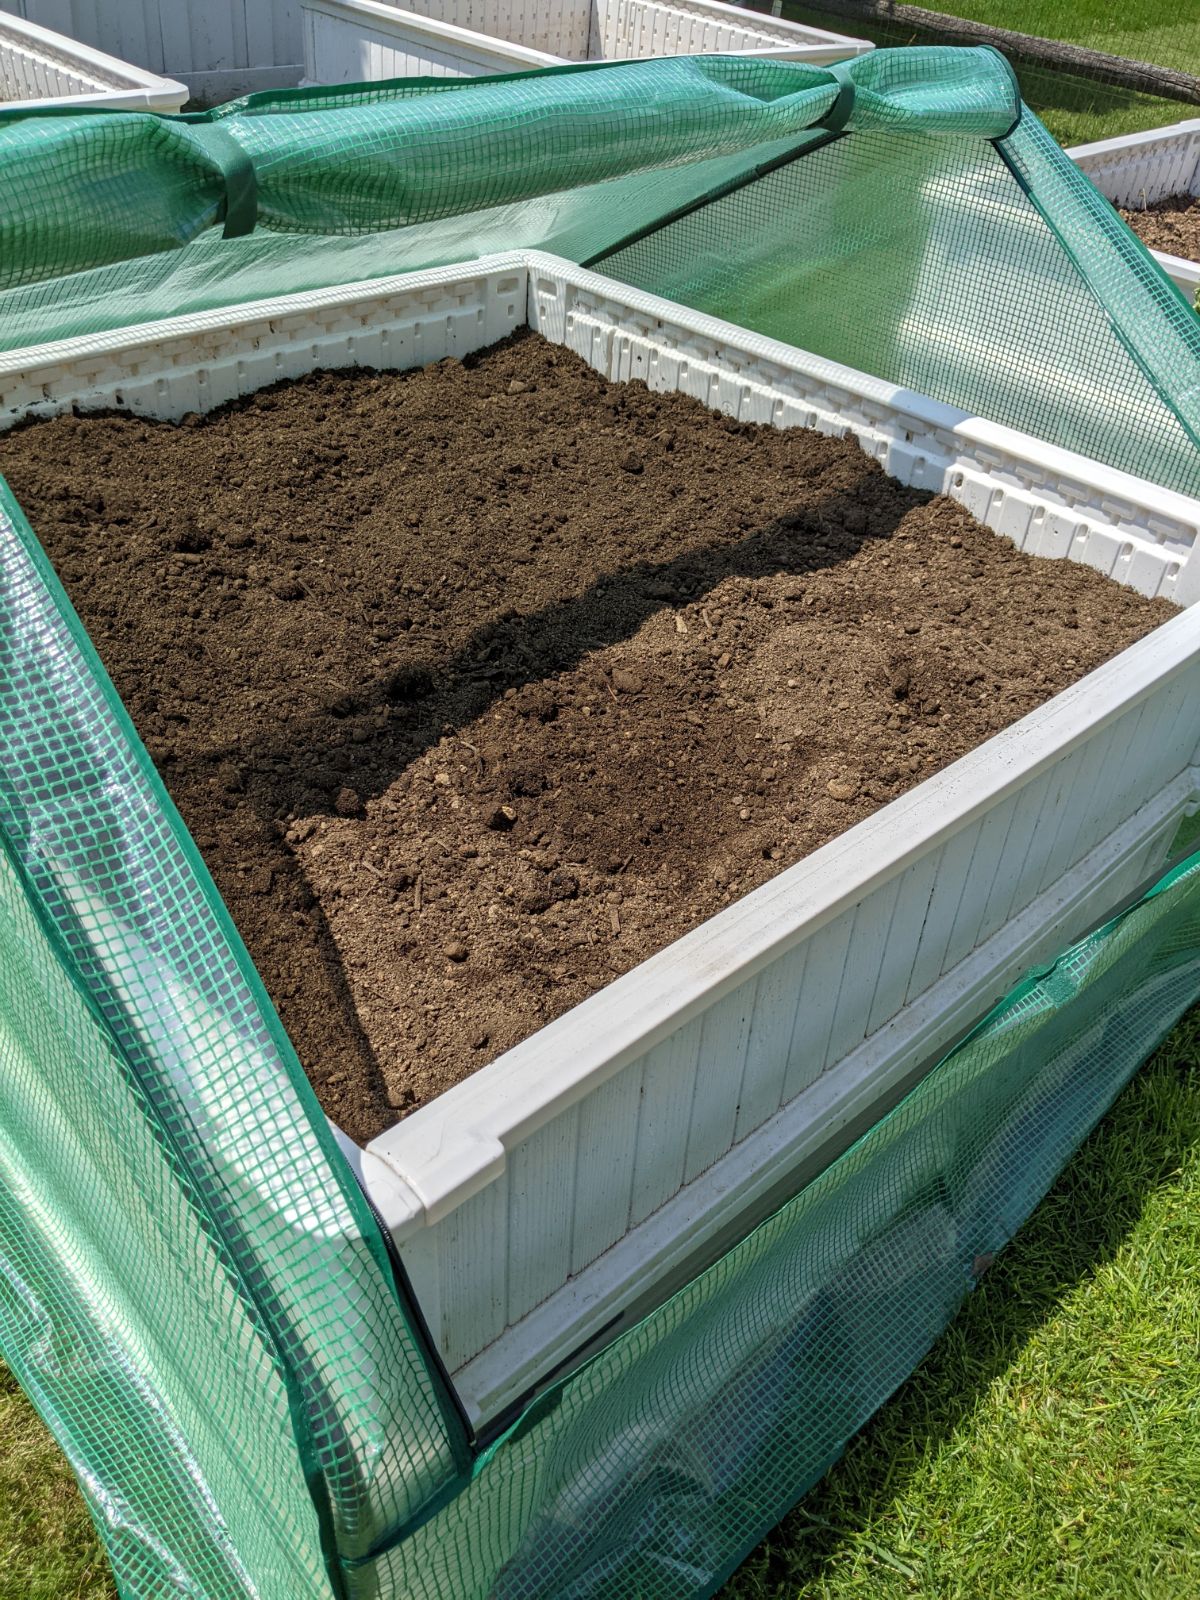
x=1153, y=178
x=479, y=684
x=579, y=1175
x=42, y=68
x=220, y=50
x=351, y=41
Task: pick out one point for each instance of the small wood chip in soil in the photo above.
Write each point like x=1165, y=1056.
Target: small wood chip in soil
x=516, y=683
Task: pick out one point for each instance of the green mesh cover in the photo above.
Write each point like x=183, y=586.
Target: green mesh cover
x=191, y=1286
x=899, y=212
x=172, y=1183
x=653, y=1471
x=1003, y=283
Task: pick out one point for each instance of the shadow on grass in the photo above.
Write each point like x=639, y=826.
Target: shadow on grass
x=1089, y=1215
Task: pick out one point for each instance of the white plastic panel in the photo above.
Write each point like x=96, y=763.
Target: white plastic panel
x=366, y=41
x=349, y=41
x=560, y=28
x=1137, y=169
x=42, y=68
x=538, y=1198
x=218, y=49
x=629, y=30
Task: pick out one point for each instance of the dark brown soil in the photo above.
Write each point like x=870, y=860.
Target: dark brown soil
x=477, y=685
x=1172, y=225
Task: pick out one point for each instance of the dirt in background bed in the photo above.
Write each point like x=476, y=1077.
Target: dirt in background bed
x=479, y=684
x=1171, y=225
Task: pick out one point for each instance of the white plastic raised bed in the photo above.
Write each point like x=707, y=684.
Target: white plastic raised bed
x=575, y=1180
x=40, y=68
x=353, y=41
x=1138, y=169
x=218, y=49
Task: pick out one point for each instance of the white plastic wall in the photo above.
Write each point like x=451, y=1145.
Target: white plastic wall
x=629, y=30
x=218, y=48
x=585, y=1171
x=348, y=41
x=1139, y=169
x=42, y=68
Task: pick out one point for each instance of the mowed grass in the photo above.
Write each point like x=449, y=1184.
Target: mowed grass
x=1048, y=1447
x=48, y=1547
x=1164, y=32
x=1074, y=108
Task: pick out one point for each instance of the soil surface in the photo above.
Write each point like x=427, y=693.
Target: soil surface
x=479, y=684
x=1172, y=225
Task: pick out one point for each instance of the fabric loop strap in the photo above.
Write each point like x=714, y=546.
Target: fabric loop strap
x=241, y=184
x=840, y=111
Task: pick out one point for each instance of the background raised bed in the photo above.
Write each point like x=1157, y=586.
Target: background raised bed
x=1135, y=170
x=350, y=41
x=582, y=1173
x=41, y=68
x=219, y=50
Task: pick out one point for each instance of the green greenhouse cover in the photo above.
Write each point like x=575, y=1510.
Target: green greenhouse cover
x=192, y=1287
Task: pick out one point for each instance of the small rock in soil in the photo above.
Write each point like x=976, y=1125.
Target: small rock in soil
x=843, y=788
x=347, y=803
x=502, y=818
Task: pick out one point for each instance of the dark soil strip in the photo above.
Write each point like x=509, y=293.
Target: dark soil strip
x=477, y=685
x=1171, y=225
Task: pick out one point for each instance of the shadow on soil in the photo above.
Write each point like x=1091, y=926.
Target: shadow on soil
x=424, y=698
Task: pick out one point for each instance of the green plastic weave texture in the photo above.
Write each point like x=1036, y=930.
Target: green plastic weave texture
x=989, y=274
x=651, y=1473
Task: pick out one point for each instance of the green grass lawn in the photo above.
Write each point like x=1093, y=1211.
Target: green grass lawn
x=1166, y=32
x=48, y=1547
x=1075, y=109
x=1047, y=1448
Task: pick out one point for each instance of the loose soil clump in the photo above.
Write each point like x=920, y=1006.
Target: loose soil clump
x=1171, y=225
x=479, y=684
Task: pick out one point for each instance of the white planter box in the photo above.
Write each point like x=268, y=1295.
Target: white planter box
x=577, y=1178
x=356, y=41
x=1138, y=169
x=219, y=49
x=40, y=68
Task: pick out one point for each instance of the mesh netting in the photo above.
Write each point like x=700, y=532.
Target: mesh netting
x=1045, y=313
x=279, y=1279
x=191, y=1286
x=652, y=1472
